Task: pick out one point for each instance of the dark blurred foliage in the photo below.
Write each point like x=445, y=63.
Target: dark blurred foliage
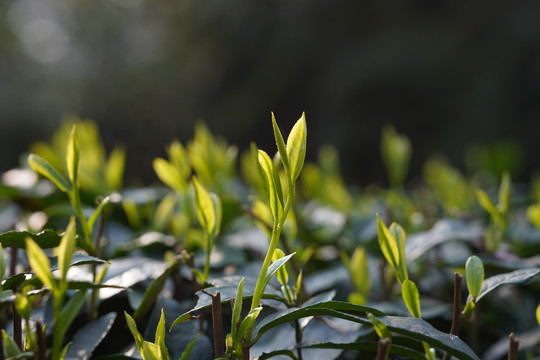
x=448, y=74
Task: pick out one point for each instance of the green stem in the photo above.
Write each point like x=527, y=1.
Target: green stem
x=276, y=232
x=207, y=260
x=76, y=203
x=259, y=288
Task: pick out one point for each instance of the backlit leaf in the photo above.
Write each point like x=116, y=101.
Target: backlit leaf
x=40, y=264
x=296, y=147
x=206, y=212
x=44, y=168
x=474, y=270
x=411, y=297
x=66, y=248
x=281, y=146
x=273, y=185
x=72, y=156
x=169, y=175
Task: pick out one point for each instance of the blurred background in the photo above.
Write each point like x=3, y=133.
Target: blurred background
x=450, y=75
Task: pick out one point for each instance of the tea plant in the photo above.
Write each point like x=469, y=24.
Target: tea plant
x=280, y=259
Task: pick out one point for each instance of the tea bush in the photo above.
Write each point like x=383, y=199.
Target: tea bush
x=279, y=259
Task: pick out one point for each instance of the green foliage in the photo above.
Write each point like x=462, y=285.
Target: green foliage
x=141, y=252
x=499, y=213
x=396, y=151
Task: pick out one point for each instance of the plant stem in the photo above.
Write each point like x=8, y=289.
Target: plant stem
x=513, y=346
x=298, y=334
x=40, y=341
x=13, y=261
x=383, y=348
x=208, y=251
x=456, y=315
x=259, y=288
x=17, y=328
x=219, y=348
x=76, y=204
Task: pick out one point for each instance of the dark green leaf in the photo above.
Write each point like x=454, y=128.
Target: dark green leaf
x=69, y=312
x=515, y=277
x=89, y=337
x=78, y=259
x=46, y=239
x=152, y=292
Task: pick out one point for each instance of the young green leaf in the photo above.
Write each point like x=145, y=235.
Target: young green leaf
x=135, y=332
x=538, y=315
x=69, y=312
x=274, y=267
x=474, y=274
x=114, y=169
x=39, y=263
x=206, y=211
x=66, y=248
x=237, y=309
x=11, y=349
x=248, y=323
x=189, y=348
x=487, y=204
x=169, y=175
x=399, y=235
x=390, y=249
x=381, y=329
x=282, y=275
x=296, y=147
x=44, y=168
x=504, y=193
x=92, y=220
x=72, y=156
x=533, y=214
x=273, y=184
x=160, y=338
x=359, y=269
x=281, y=147
x=409, y=291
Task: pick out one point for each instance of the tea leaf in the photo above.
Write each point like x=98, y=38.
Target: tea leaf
x=380, y=328
x=533, y=214
x=11, y=349
x=206, y=211
x=487, y=204
x=88, y=337
x=296, y=147
x=2, y=264
x=474, y=270
x=273, y=185
x=189, y=348
x=44, y=168
x=515, y=277
x=248, y=322
x=114, y=169
x=281, y=147
x=69, y=312
x=538, y=315
x=72, y=156
x=136, y=334
x=152, y=292
x=282, y=275
x=237, y=309
x=505, y=193
x=160, y=338
x=169, y=175
x=411, y=297
x=66, y=248
x=390, y=249
x=91, y=221
x=275, y=266
x=39, y=263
